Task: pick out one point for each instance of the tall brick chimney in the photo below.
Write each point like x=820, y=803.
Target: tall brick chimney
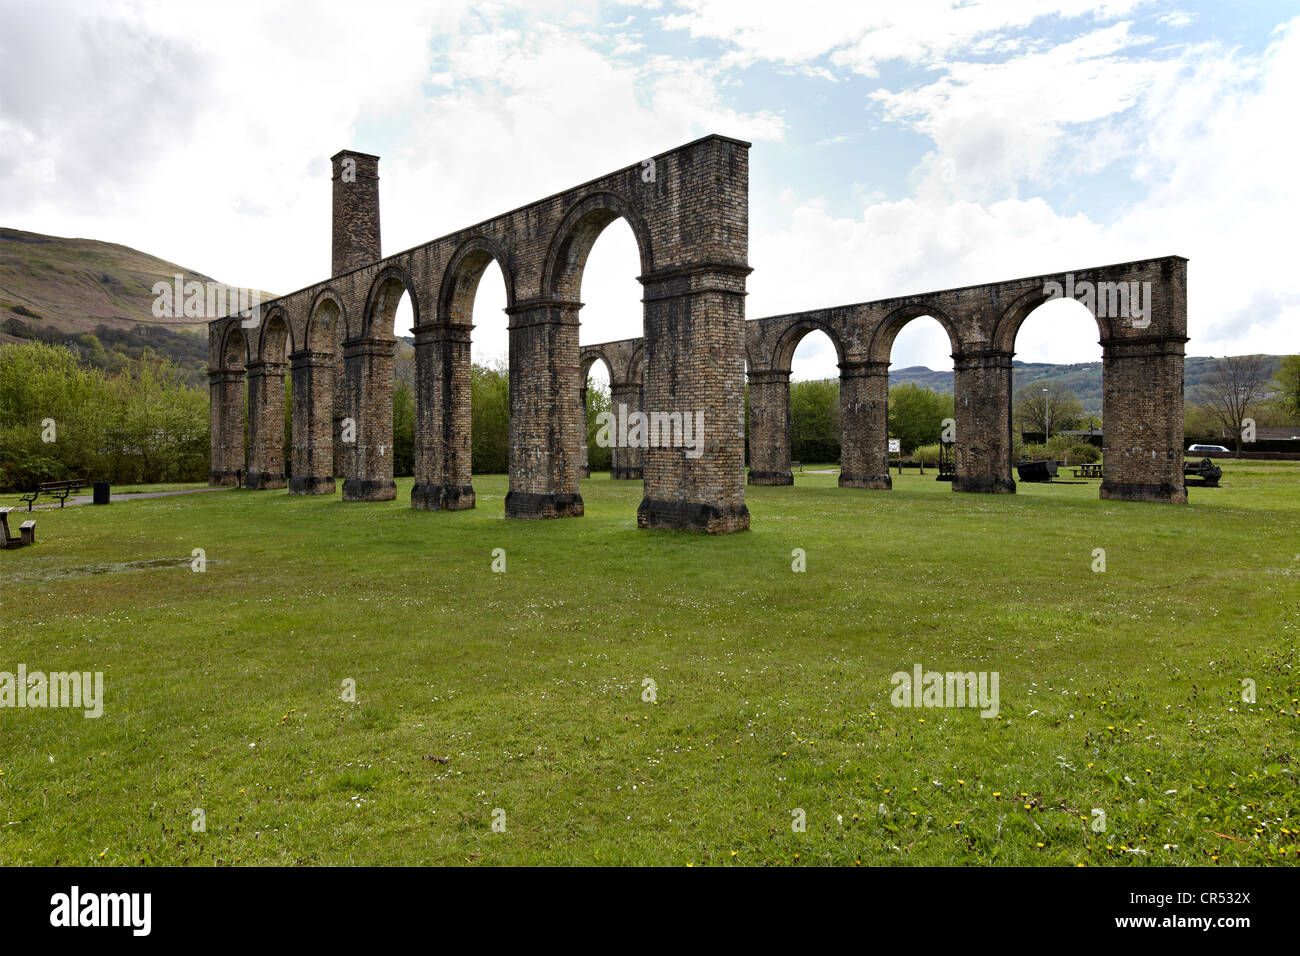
x=356, y=210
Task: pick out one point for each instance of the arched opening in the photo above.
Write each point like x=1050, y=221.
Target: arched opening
x=597, y=442
x=814, y=401
x=404, y=386
x=367, y=436
x=234, y=349
x=606, y=263
x=269, y=406
x=595, y=262
x=462, y=381
x=920, y=390
x=481, y=299
x=316, y=400
x=1056, y=388
x=610, y=292
x=793, y=403
x=229, y=411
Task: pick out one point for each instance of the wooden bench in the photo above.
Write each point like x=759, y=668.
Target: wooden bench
x=27, y=531
x=58, y=489
x=1088, y=471
x=796, y=466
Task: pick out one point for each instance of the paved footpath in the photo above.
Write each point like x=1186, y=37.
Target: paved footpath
x=87, y=499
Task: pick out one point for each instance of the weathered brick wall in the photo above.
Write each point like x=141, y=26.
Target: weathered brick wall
x=769, y=427
x=265, y=425
x=226, y=422
x=227, y=349
x=546, y=420
x=982, y=396
x=442, y=418
x=623, y=361
x=1142, y=372
x=313, y=406
x=368, y=384
x=864, y=417
x=356, y=240
x=626, y=462
x=688, y=209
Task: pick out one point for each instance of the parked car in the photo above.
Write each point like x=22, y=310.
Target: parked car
x=1202, y=449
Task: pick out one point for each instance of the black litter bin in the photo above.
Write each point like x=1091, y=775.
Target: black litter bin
x=101, y=492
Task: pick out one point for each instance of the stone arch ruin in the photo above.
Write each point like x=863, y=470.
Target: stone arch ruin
x=1141, y=314
x=688, y=209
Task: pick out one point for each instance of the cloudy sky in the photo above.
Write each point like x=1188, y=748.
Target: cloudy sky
x=898, y=147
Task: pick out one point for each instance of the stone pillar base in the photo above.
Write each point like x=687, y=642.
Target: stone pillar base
x=311, y=486
x=626, y=473
x=771, y=478
x=521, y=504
x=427, y=497
x=882, y=482
x=222, y=479
x=984, y=486
x=263, y=482
x=692, y=516
x=364, y=489
x=1143, y=491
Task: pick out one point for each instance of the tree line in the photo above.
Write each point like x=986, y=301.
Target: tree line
x=61, y=419
x=1240, y=393
x=64, y=415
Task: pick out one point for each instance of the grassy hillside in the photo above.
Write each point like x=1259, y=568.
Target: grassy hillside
x=75, y=285
x=61, y=290
x=1084, y=379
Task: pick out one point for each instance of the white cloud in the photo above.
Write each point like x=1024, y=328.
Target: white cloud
x=995, y=124
x=205, y=138
x=1212, y=154
x=860, y=36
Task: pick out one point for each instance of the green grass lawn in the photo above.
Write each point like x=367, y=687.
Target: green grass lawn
x=143, y=488
x=524, y=691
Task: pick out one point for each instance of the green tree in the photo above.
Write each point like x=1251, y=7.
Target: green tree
x=403, y=430
x=916, y=414
x=1057, y=409
x=815, y=421
x=598, y=458
x=52, y=414
x=157, y=426
x=1286, y=385
x=1233, y=389
x=490, y=431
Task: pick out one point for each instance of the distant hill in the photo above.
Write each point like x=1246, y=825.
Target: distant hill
x=59, y=290
x=63, y=290
x=1084, y=379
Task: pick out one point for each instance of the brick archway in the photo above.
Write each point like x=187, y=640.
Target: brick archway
x=694, y=262
x=688, y=209
x=227, y=404
x=1142, y=378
